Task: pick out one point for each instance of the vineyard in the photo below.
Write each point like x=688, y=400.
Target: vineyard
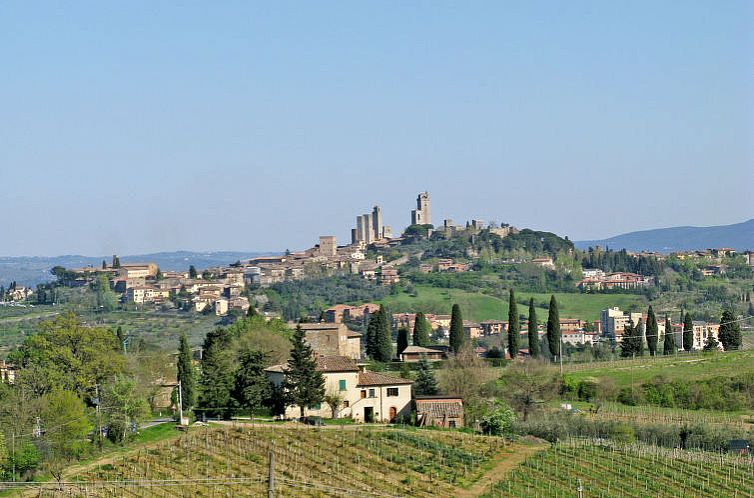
x=627, y=471
x=307, y=462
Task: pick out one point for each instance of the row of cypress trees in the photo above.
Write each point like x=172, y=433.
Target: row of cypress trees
x=633, y=342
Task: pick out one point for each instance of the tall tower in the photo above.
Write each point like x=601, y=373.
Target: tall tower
x=368, y=228
x=360, y=228
x=377, y=222
x=421, y=215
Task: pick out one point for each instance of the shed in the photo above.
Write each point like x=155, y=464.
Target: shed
x=439, y=411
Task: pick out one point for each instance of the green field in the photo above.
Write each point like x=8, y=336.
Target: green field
x=309, y=462
x=476, y=306
x=630, y=470
x=694, y=366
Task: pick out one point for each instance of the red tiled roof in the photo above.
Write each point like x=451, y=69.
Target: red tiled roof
x=379, y=379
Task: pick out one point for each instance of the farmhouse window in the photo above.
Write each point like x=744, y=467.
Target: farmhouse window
x=392, y=391
x=342, y=384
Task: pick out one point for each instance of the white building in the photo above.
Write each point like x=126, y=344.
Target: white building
x=366, y=396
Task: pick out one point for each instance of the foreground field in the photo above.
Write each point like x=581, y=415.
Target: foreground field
x=351, y=461
x=477, y=306
x=631, y=470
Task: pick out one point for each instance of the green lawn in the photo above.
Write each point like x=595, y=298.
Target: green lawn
x=477, y=306
x=688, y=367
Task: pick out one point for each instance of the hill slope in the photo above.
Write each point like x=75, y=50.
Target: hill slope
x=309, y=462
x=739, y=236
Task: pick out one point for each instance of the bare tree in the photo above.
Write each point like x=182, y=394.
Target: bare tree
x=528, y=385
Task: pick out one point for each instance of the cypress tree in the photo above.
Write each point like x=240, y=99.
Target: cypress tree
x=186, y=373
x=638, y=339
x=688, y=332
x=421, y=330
x=192, y=272
x=303, y=384
x=730, y=331
x=426, y=384
x=402, y=339
x=514, y=327
x=532, y=329
x=379, y=338
x=457, y=336
x=652, y=331
x=668, y=346
x=553, y=328
x=371, y=336
x=252, y=311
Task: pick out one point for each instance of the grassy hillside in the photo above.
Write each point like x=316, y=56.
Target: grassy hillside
x=477, y=306
x=696, y=366
x=632, y=470
x=350, y=461
x=158, y=329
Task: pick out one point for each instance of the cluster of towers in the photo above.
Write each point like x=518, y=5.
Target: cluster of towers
x=369, y=228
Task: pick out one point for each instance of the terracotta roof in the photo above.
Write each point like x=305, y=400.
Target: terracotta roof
x=336, y=364
x=324, y=364
x=379, y=379
x=319, y=326
x=421, y=350
x=440, y=407
x=351, y=333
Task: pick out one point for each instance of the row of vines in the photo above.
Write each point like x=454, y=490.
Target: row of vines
x=634, y=470
x=309, y=462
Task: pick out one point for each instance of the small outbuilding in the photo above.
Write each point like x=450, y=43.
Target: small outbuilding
x=439, y=411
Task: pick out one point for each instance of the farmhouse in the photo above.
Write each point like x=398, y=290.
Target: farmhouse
x=415, y=353
x=439, y=411
x=365, y=396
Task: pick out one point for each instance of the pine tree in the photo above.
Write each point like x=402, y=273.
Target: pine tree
x=668, y=346
x=652, y=331
x=514, y=327
x=251, y=387
x=218, y=375
x=730, y=330
x=426, y=384
x=403, y=333
x=252, y=311
x=421, y=330
x=186, y=373
x=304, y=385
x=553, y=328
x=533, y=332
x=711, y=344
x=627, y=342
x=457, y=335
x=688, y=332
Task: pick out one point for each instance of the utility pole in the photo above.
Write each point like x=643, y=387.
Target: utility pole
x=561, y=354
x=180, y=404
x=13, y=453
x=271, y=476
x=99, y=417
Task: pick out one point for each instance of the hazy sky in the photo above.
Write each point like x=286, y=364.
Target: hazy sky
x=133, y=127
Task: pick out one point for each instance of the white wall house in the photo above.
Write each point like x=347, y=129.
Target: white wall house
x=366, y=396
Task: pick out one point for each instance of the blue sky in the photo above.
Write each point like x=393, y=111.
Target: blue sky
x=132, y=127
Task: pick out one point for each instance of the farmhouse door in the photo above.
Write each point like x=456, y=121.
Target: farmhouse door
x=393, y=414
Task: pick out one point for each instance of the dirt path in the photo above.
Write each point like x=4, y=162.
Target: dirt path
x=504, y=464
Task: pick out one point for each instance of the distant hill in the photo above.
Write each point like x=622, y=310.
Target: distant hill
x=36, y=269
x=739, y=236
